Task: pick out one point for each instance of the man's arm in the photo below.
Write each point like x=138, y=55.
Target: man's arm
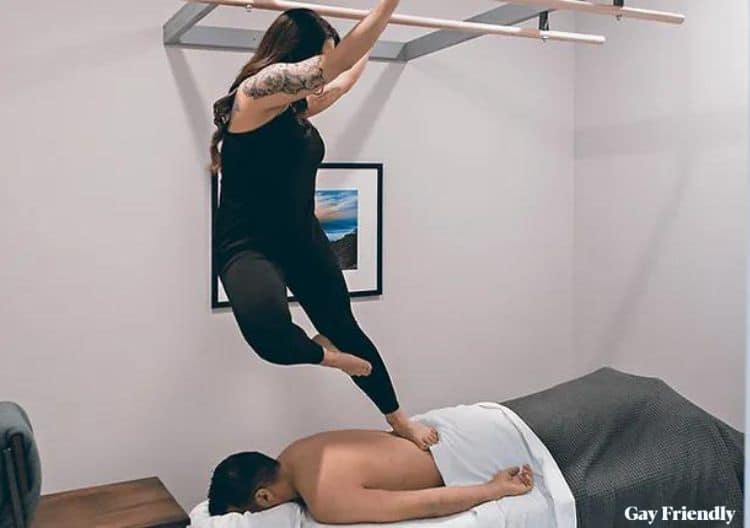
x=361, y=505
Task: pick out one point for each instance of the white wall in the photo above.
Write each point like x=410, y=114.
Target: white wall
x=661, y=200
x=107, y=336
x=747, y=315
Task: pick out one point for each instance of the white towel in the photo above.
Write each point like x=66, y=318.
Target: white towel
x=476, y=441
x=287, y=515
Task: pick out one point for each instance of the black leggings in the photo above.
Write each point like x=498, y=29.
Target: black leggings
x=256, y=286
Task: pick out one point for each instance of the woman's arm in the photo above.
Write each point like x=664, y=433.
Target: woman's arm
x=283, y=83
x=336, y=88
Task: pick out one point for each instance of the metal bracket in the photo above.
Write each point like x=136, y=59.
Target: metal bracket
x=619, y=3
x=182, y=21
x=544, y=21
x=544, y=24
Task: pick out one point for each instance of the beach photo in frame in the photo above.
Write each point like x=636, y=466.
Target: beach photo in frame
x=349, y=206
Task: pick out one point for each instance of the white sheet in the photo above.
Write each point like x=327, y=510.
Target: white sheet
x=288, y=515
x=476, y=441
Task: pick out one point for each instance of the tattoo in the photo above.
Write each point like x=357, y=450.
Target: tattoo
x=328, y=96
x=289, y=78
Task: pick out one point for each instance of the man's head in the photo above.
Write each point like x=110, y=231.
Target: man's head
x=247, y=481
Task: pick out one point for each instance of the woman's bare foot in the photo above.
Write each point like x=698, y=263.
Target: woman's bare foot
x=422, y=435
x=335, y=358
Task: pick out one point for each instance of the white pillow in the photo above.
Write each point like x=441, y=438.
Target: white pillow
x=287, y=515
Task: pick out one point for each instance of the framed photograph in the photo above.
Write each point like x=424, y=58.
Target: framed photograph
x=349, y=206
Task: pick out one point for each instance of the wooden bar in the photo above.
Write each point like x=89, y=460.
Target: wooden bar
x=415, y=21
x=585, y=6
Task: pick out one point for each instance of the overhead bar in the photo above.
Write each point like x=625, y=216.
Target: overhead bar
x=409, y=20
x=618, y=9
x=247, y=40
x=505, y=15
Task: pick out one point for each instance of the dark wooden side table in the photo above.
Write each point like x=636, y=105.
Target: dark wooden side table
x=143, y=503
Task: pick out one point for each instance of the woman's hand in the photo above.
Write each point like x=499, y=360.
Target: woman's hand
x=359, y=40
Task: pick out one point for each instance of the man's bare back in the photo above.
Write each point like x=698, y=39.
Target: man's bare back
x=359, y=459
x=354, y=476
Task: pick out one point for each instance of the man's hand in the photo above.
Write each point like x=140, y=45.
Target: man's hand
x=512, y=481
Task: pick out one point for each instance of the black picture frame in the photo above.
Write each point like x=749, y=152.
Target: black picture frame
x=217, y=303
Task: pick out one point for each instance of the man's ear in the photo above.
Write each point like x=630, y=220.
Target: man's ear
x=264, y=498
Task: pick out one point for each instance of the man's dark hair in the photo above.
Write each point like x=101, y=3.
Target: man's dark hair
x=237, y=478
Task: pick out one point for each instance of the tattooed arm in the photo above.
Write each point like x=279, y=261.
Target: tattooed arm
x=333, y=91
x=283, y=83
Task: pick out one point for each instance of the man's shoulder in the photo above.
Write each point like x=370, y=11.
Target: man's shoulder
x=322, y=449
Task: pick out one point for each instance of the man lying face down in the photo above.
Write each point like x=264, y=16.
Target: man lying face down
x=353, y=476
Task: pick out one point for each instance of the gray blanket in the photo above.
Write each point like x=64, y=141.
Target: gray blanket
x=623, y=440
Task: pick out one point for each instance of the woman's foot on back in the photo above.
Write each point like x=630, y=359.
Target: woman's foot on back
x=422, y=435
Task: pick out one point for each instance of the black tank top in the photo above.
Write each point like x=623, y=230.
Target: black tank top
x=267, y=197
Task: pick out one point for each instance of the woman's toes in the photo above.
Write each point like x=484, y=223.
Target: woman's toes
x=428, y=439
x=367, y=370
x=432, y=437
x=361, y=367
x=352, y=365
x=420, y=434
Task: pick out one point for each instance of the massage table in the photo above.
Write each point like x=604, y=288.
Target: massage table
x=598, y=444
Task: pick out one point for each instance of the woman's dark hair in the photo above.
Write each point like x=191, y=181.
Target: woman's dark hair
x=237, y=478
x=296, y=35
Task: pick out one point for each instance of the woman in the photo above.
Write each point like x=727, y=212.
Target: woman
x=267, y=236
